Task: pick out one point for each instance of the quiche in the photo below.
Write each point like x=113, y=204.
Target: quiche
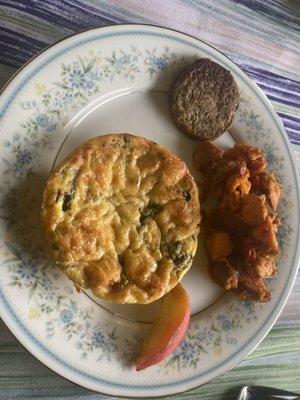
x=122, y=214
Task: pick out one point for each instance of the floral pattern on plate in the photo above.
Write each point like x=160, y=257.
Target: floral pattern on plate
x=79, y=80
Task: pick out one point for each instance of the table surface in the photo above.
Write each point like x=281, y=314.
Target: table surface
x=263, y=37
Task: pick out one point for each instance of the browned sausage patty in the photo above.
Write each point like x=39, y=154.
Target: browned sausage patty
x=203, y=100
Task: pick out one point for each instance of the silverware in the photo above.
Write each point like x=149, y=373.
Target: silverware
x=265, y=393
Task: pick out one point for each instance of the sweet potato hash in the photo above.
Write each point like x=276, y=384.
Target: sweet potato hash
x=241, y=242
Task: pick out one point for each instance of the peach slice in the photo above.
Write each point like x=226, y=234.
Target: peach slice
x=167, y=330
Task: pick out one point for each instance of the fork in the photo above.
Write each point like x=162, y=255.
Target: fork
x=265, y=393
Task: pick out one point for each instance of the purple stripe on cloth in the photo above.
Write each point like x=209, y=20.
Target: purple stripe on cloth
x=280, y=96
x=16, y=49
x=67, y=16
x=293, y=118
x=294, y=138
x=75, y=15
x=282, y=90
x=276, y=87
x=292, y=126
x=270, y=78
x=271, y=11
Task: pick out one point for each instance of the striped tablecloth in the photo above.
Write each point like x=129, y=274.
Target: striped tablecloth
x=263, y=37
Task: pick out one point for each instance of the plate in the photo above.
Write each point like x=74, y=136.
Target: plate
x=115, y=79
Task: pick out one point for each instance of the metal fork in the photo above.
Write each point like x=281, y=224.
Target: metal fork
x=265, y=393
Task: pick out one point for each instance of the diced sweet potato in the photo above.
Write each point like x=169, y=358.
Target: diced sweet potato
x=247, y=252
x=218, y=245
x=227, y=168
x=265, y=266
x=260, y=266
x=205, y=154
x=253, y=211
x=253, y=157
x=224, y=274
x=269, y=185
x=242, y=227
x=253, y=289
x=265, y=236
x=239, y=183
x=225, y=218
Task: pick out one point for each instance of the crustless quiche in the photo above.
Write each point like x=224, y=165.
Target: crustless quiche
x=122, y=215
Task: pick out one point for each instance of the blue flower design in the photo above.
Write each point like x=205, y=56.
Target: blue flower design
x=73, y=306
x=51, y=128
x=226, y=325
x=89, y=84
x=68, y=98
x=66, y=316
x=161, y=64
x=95, y=75
x=119, y=62
x=188, y=352
x=204, y=335
x=248, y=305
x=27, y=270
x=42, y=120
x=48, y=296
x=157, y=64
x=46, y=284
x=76, y=79
x=269, y=153
x=24, y=157
x=253, y=123
x=98, y=339
x=271, y=158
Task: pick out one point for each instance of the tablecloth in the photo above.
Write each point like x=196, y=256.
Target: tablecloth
x=262, y=37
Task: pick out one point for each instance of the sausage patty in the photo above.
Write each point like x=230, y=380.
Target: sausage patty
x=203, y=100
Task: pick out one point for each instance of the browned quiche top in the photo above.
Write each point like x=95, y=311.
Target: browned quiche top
x=122, y=215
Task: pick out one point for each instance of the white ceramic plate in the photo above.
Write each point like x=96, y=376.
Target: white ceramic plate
x=115, y=79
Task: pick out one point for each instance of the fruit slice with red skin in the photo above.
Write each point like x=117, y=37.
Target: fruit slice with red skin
x=167, y=330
